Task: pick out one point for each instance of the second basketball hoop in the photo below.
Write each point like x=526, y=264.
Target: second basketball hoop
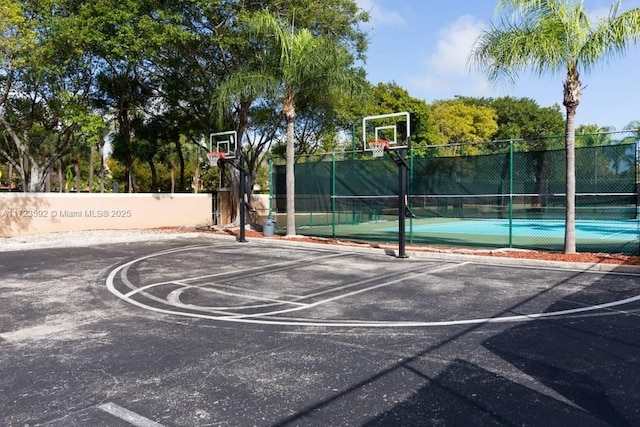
x=378, y=147
x=214, y=156
x=386, y=132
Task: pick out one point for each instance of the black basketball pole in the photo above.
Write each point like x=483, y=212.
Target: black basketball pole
x=243, y=194
x=238, y=163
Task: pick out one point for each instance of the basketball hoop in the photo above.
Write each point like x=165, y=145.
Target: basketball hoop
x=378, y=147
x=214, y=156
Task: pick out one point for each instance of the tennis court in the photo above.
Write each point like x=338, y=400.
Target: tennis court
x=613, y=236
x=467, y=200
x=624, y=230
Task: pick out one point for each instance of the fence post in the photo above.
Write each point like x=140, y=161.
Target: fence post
x=411, y=194
x=402, y=192
x=333, y=195
x=637, y=152
x=353, y=140
x=511, y=194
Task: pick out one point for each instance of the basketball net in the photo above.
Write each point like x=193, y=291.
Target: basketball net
x=214, y=156
x=378, y=147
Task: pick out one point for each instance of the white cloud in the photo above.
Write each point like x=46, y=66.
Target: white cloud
x=446, y=69
x=453, y=47
x=379, y=15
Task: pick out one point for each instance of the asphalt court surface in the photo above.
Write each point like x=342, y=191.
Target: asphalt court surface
x=208, y=331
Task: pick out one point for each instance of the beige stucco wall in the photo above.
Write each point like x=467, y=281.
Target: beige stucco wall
x=260, y=204
x=30, y=213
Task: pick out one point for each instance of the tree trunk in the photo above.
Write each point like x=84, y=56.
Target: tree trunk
x=93, y=152
x=154, y=176
x=24, y=174
x=101, y=165
x=35, y=178
x=172, y=170
x=572, y=91
x=290, y=180
x=570, y=213
x=76, y=171
x=60, y=178
x=543, y=176
x=196, y=179
x=47, y=183
x=180, y=154
x=125, y=140
x=133, y=186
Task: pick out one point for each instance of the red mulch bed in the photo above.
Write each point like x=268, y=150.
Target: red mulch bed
x=587, y=257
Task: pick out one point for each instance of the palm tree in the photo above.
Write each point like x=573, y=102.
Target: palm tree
x=634, y=127
x=292, y=63
x=594, y=135
x=555, y=36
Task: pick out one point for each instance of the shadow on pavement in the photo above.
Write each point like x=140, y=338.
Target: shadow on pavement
x=580, y=370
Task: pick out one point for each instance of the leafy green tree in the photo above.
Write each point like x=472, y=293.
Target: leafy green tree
x=458, y=122
x=296, y=64
x=211, y=46
x=555, y=36
x=633, y=126
x=125, y=39
x=146, y=182
x=593, y=136
x=219, y=44
x=44, y=88
x=522, y=118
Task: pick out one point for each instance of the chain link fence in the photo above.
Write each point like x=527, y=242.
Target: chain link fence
x=512, y=196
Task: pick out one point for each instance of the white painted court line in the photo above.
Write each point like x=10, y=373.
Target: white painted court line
x=127, y=415
x=378, y=324
x=349, y=294
x=271, y=267
x=174, y=297
x=125, y=268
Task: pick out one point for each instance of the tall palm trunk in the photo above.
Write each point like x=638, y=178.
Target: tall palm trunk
x=572, y=91
x=570, y=213
x=289, y=111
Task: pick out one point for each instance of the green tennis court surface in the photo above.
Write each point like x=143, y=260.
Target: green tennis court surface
x=607, y=230
x=613, y=236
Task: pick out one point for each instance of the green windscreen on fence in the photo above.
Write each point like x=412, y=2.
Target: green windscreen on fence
x=508, y=199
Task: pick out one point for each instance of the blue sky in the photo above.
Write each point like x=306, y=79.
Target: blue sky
x=424, y=48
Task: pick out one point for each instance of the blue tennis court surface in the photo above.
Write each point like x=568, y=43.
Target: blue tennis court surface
x=592, y=229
